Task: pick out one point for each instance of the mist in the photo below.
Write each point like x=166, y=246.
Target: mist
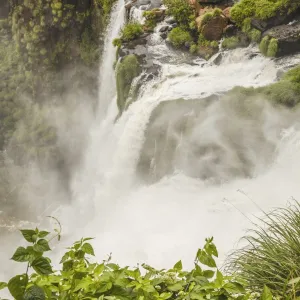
x=175, y=168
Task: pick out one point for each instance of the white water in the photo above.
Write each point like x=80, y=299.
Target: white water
x=168, y=220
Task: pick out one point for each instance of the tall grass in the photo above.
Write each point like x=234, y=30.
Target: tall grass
x=272, y=256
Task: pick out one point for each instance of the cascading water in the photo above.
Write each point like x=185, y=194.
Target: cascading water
x=169, y=218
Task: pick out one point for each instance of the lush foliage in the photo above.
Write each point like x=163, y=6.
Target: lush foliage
x=152, y=17
x=181, y=11
x=126, y=71
x=261, y=9
x=81, y=278
x=129, y=32
x=179, y=37
x=284, y=92
x=268, y=47
x=230, y=43
x=272, y=255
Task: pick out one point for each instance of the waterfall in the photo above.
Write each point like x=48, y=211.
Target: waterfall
x=168, y=219
x=107, y=83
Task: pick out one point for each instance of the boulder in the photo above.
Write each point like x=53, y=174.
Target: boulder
x=230, y=30
x=288, y=37
x=213, y=29
x=279, y=19
x=226, y=12
x=165, y=28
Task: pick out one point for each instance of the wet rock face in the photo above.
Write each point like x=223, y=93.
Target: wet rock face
x=199, y=139
x=279, y=19
x=4, y=9
x=288, y=37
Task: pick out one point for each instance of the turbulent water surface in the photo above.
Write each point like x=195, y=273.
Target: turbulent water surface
x=151, y=190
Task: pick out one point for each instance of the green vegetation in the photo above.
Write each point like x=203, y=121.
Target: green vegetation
x=285, y=92
x=272, y=48
x=272, y=255
x=261, y=9
x=268, y=47
x=179, y=37
x=81, y=278
x=263, y=46
x=181, y=11
x=126, y=71
x=230, y=43
x=152, y=17
x=131, y=31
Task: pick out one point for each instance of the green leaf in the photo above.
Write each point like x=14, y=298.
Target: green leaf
x=113, y=266
x=21, y=255
x=83, y=284
x=266, y=294
x=219, y=279
x=208, y=273
x=42, y=266
x=29, y=235
x=175, y=287
x=35, y=293
x=206, y=259
x=104, y=287
x=178, y=266
x=43, y=234
x=68, y=265
x=87, y=239
x=88, y=249
x=99, y=269
x=17, y=286
x=211, y=249
x=33, y=254
x=233, y=288
x=41, y=246
x=3, y=285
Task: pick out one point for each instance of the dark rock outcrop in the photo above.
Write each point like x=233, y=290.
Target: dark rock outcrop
x=288, y=38
x=279, y=19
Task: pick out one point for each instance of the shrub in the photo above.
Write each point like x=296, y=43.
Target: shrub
x=181, y=10
x=264, y=44
x=217, y=12
x=272, y=48
x=79, y=278
x=272, y=254
x=293, y=75
x=261, y=9
x=131, y=31
x=255, y=35
x=193, y=48
x=178, y=37
x=230, y=43
x=126, y=71
x=206, y=18
x=117, y=42
x=151, y=19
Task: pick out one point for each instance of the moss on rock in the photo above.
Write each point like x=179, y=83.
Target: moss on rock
x=126, y=71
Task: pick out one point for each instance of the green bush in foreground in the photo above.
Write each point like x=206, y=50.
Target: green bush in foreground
x=272, y=255
x=178, y=37
x=80, y=278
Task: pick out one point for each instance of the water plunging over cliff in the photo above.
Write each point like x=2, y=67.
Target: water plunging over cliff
x=170, y=217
